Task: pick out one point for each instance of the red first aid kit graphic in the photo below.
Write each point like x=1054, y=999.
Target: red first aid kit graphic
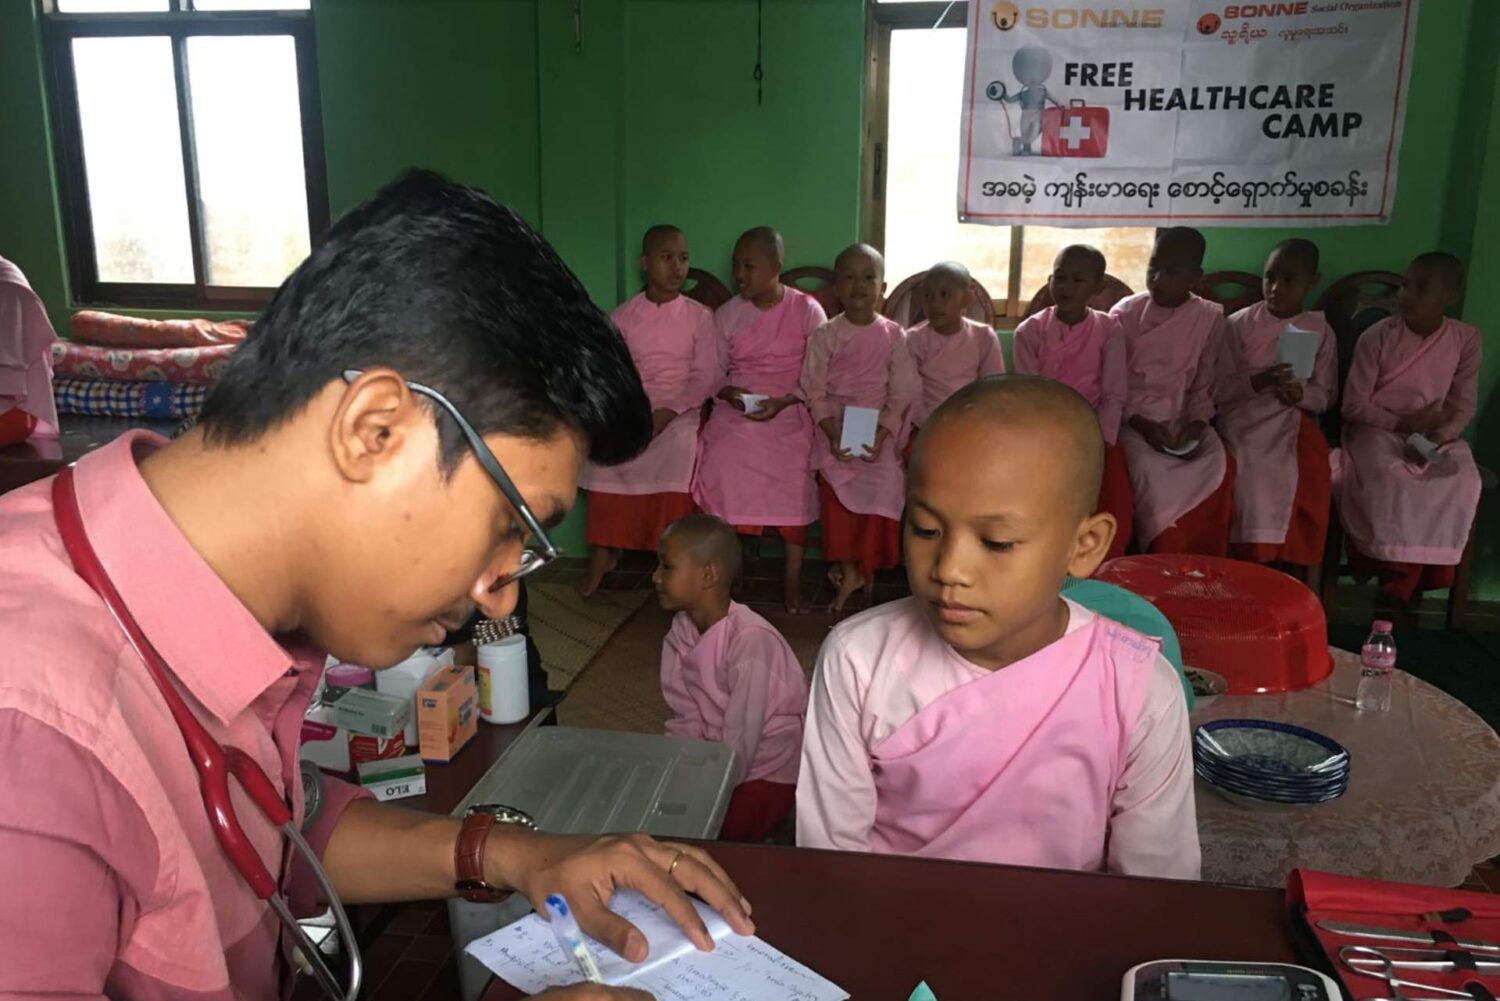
x=1077, y=130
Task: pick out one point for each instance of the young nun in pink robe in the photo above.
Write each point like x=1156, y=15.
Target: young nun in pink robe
x=859, y=359
x=949, y=349
x=1282, y=485
x=728, y=675
x=675, y=349
x=1085, y=349
x=26, y=336
x=1181, y=477
x=985, y=717
x=755, y=465
x=1408, y=517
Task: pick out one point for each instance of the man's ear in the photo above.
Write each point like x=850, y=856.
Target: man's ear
x=375, y=419
x=1091, y=544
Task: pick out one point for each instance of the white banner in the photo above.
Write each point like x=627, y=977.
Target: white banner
x=1121, y=113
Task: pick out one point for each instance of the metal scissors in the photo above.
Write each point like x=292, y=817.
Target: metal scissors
x=1364, y=961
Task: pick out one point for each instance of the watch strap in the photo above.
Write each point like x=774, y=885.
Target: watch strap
x=468, y=860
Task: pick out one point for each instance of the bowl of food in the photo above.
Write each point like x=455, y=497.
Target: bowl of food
x=1206, y=684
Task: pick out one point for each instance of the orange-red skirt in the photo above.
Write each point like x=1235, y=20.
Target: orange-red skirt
x=632, y=521
x=867, y=539
x=792, y=535
x=1205, y=529
x=1400, y=580
x=1116, y=498
x=1307, y=532
x=755, y=808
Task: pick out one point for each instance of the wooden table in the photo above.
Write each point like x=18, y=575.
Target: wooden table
x=877, y=925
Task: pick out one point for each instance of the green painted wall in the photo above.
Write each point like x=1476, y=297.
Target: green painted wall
x=655, y=119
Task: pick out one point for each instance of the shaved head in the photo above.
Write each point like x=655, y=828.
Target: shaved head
x=949, y=272
x=1042, y=408
x=1443, y=264
x=763, y=240
x=1303, y=253
x=657, y=235
x=857, y=251
x=708, y=540
x=1089, y=258
x=1181, y=243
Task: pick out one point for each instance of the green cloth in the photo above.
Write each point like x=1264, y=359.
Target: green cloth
x=922, y=993
x=1133, y=611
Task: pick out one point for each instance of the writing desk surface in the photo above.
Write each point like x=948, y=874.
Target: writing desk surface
x=877, y=925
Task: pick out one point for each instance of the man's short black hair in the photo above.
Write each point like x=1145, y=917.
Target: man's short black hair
x=452, y=290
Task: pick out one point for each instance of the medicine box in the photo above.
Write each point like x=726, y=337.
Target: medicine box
x=447, y=713
x=394, y=778
x=359, y=710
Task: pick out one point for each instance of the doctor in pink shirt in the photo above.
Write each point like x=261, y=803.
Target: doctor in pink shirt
x=328, y=502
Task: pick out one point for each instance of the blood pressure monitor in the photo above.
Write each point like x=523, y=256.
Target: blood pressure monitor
x=1196, y=980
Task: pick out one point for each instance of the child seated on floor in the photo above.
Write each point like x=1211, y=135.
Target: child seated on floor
x=859, y=359
x=987, y=718
x=1282, y=486
x=1084, y=349
x=1181, y=478
x=728, y=675
x=676, y=352
x=949, y=349
x=1406, y=483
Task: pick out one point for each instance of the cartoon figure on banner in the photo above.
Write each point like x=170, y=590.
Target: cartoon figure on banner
x=1072, y=130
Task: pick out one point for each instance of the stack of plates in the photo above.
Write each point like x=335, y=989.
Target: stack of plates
x=1264, y=762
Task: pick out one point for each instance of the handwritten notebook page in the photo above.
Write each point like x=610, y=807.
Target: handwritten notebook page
x=741, y=968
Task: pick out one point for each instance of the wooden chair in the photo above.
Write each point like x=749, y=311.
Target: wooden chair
x=1234, y=290
x=705, y=288
x=818, y=283
x=905, y=305
x=1113, y=291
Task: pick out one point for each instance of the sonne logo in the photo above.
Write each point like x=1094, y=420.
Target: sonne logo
x=1007, y=15
x=1241, y=11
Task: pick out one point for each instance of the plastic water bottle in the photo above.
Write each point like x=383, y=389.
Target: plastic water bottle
x=1377, y=659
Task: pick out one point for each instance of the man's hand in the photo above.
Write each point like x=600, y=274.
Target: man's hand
x=1271, y=378
x=731, y=395
x=660, y=418
x=593, y=992
x=587, y=871
x=770, y=408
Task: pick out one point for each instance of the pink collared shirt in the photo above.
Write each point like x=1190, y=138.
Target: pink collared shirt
x=117, y=885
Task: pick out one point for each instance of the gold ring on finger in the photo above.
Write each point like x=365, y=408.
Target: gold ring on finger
x=681, y=853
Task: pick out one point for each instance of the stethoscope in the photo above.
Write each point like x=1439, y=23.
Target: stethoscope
x=215, y=764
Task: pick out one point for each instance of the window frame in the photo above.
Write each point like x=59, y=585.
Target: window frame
x=179, y=24
x=881, y=20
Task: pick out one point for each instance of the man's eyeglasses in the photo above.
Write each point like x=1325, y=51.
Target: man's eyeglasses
x=532, y=560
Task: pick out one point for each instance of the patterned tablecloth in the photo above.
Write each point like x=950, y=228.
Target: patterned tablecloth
x=1423, y=804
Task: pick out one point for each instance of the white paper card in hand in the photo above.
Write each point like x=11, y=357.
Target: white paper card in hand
x=752, y=401
x=1423, y=446
x=741, y=968
x=859, y=430
x=1299, y=349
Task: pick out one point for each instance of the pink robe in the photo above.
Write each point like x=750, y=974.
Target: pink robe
x=1089, y=357
x=675, y=351
x=948, y=362
x=1258, y=429
x=760, y=472
x=1169, y=357
x=1076, y=757
x=26, y=339
x=1391, y=508
x=869, y=366
x=740, y=684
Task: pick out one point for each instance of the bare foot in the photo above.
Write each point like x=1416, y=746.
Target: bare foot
x=794, y=603
x=851, y=580
x=836, y=575
x=601, y=561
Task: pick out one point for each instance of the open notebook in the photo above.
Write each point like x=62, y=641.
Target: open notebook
x=741, y=968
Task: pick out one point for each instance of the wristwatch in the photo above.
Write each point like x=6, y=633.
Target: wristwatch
x=468, y=852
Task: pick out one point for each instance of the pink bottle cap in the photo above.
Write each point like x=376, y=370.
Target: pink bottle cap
x=1382, y=626
x=349, y=676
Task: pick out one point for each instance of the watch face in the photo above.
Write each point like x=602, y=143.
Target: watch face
x=503, y=814
x=312, y=792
